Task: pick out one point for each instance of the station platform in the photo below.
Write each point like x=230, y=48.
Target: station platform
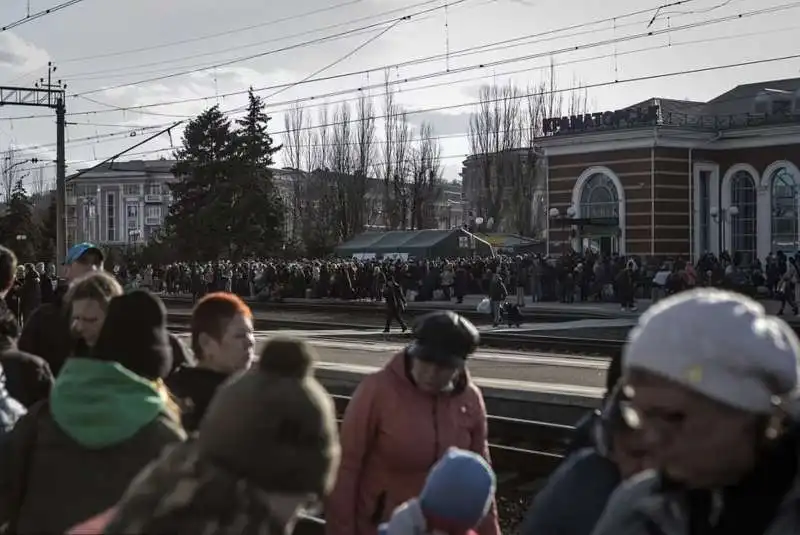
x=559, y=311
x=539, y=386
x=368, y=327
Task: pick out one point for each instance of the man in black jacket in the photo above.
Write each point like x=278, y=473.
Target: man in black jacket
x=28, y=378
x=46, y=332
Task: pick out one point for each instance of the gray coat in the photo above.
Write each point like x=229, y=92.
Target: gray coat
x=638, y=508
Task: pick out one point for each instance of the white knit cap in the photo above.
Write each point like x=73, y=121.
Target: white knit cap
x=720, y=344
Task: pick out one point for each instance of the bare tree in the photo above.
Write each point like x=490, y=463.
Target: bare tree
x=340, y=164
x=495, y=135
x=321, y=140
x=296, y=150
x=10, y=171
x=545, y=100
x=426, y=174
x=401, y=138
x=363, y=158
x=390, y=212
x=294, y=123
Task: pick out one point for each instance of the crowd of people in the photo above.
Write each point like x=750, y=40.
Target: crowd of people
x=109, y=424
x=566, y=279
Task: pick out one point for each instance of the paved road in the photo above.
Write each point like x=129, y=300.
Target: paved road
x=502, y=365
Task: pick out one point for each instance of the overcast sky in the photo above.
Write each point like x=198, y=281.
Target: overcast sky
x=99, y=45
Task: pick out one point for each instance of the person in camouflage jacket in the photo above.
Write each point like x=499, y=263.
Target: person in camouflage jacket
x=181, y=493
x=267, y=446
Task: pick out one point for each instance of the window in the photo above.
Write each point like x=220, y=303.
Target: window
x=111, y=216
x=132, y=215
x=743, y=225
x=784, y=211
x=153, y=188
x=153, y=214
x=781, y=106
x=132, y=189
x=705, y=211
x=599, y=198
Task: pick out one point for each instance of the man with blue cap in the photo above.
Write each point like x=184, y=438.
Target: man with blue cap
x=82, y=258
x=46, y=333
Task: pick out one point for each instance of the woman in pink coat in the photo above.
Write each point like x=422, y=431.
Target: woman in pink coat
x=401, y=420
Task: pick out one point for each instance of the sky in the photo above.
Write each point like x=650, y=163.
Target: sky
x=133, y=67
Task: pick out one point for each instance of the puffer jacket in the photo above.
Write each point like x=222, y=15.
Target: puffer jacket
x=391, y=436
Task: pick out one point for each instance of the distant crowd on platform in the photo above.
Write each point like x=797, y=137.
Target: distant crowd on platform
x=519, y=278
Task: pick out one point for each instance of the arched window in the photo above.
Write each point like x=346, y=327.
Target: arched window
x=599, y=198
x=743, y=225
x=784, y=211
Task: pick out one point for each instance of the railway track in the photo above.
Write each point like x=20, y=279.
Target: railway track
x=500, y=340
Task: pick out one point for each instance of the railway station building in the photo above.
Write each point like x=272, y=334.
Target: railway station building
x=668, y=178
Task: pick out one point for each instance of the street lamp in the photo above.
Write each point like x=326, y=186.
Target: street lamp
x=721, y=216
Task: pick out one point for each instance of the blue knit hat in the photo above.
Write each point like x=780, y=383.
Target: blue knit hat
x=458, y=492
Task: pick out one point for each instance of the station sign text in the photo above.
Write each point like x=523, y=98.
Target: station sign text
x=627, y=118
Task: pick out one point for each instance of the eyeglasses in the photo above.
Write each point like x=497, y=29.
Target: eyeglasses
x=665, y=423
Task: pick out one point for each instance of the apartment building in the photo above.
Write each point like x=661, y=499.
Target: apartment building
x=118, y=203
x=125, y=203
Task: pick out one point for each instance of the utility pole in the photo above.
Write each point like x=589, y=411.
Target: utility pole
x=48, y=95
x=57, y=100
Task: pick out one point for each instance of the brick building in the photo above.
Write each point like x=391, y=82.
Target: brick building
x=674, y=178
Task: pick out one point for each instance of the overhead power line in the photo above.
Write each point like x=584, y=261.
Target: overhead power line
x=137, y=108
x=487, y=65
x=232, y=31
x=268, y=52
x=318, y=100
x=520, y=96
x=40, y=14
x=643, y=78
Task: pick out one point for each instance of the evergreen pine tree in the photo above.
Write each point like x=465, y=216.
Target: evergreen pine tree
x=258, y=217
x=200, y=213
x=18, y=222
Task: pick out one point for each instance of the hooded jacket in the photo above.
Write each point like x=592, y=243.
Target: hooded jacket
x=76, y=453
x=392, y=434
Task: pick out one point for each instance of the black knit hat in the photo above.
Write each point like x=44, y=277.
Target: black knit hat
x=135, y=335
x=275, y=425
x=444, y=338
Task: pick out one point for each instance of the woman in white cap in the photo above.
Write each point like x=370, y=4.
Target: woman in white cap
x=711, y=380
